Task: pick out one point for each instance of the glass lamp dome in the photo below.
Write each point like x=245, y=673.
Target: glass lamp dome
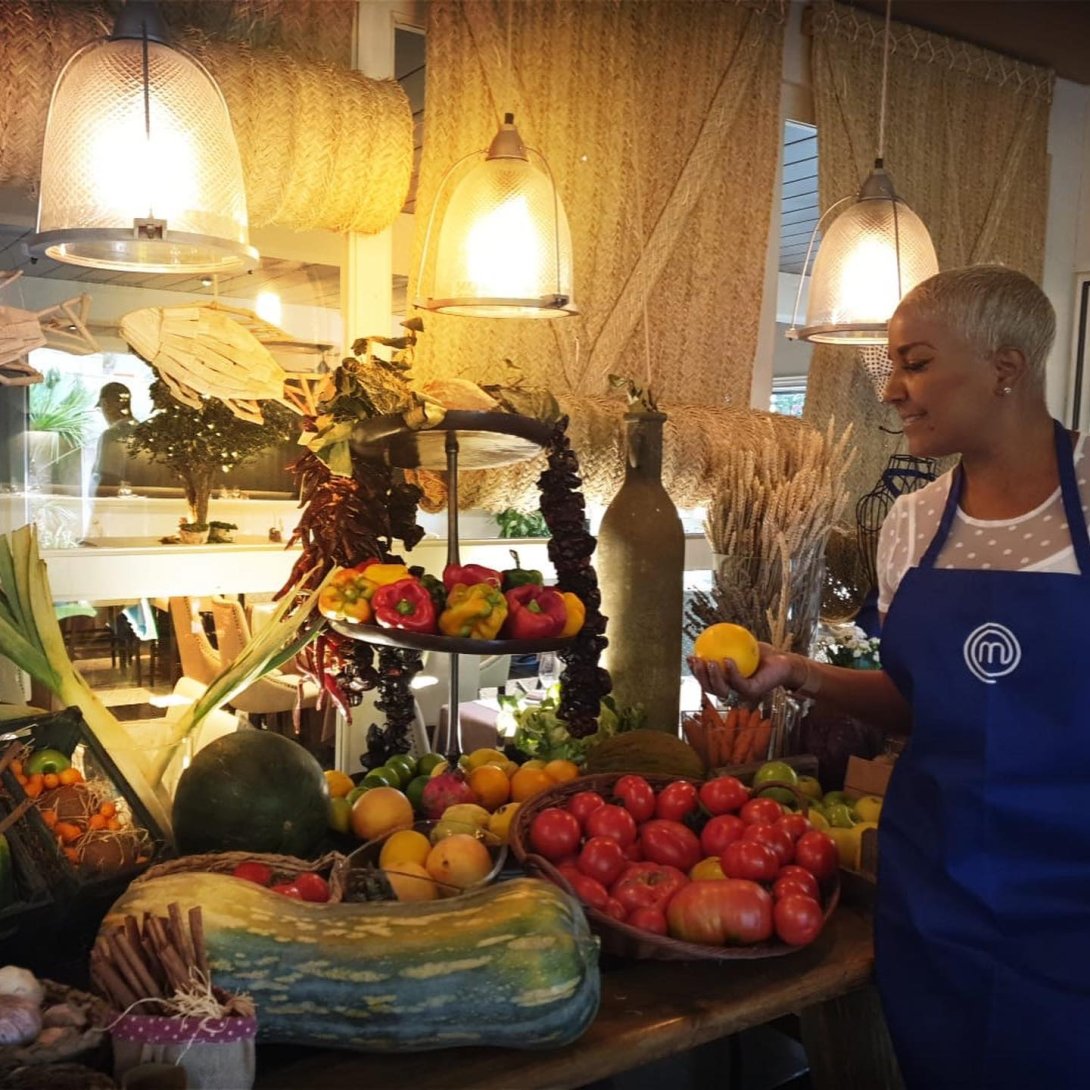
x=504, y=245
x=874, y=252
x=140, y=169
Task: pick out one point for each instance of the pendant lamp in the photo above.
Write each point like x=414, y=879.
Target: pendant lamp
x=875, y=251
x=140, y=169
x=504, y=247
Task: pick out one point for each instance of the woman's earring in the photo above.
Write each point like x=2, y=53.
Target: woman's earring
x=1004, y=390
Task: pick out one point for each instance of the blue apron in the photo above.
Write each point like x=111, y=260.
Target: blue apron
x=982, y=924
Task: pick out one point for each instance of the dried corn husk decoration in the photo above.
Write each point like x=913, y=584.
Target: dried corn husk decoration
x=207, y=351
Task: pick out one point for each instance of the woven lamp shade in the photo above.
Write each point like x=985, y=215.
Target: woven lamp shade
x=106, y=163
x=504, y=247
x=874, y=252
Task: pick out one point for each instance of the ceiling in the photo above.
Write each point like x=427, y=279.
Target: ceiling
x=1053, y=33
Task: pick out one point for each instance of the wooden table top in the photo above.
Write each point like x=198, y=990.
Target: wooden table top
x=650, y=1009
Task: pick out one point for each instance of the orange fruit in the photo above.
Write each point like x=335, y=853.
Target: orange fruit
x=527, y=782
x=380, y=811
x=729, y=641
x=340, y=783
x=411, y=882
x=404, y=846
x=490, y=785
x=460, y=861
x=561, y=771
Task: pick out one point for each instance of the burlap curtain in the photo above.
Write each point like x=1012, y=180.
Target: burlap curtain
x=966, y=133
x=659, y=119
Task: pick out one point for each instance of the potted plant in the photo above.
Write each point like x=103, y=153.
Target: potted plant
x=192, y=533
x=60, y=410
x=219, y=533
x=199, y=443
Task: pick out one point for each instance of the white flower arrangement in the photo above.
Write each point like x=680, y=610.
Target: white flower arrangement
x=852, y=648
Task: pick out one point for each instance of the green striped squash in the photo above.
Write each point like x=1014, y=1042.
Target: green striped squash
x=513, y=964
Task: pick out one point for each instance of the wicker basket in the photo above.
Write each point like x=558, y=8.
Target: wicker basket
x=620, y=938
x=82, y=1046
x=330, y=866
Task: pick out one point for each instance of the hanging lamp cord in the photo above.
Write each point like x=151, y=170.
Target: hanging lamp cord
x=885, y=85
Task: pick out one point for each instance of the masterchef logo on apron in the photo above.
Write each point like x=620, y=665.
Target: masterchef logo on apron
x=992, y=651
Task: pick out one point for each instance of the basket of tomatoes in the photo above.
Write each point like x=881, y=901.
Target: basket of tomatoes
x=677, y=869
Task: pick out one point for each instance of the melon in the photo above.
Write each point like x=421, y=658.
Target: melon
x=251, y=791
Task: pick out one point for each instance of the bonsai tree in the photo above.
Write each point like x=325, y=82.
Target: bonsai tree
x=198, y=443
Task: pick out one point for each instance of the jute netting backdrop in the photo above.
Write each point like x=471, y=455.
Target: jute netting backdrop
x=966, y=145
x=659, y=119
x=321, y=145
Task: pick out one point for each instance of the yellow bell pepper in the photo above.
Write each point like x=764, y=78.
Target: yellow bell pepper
x=376, y=574
x=577, y=613
x=344, y=599
x=477, y=611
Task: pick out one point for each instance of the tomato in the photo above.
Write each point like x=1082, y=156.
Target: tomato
x=817, y=853
x=612, y=821
x=633, y=852
x=555, y=833
x=648, y=919
x=637, y=796
x=253, y=871
x=671, y=843
x=588, y=890
x=749, y=859
x=798, y=919
x=583, y=803
x=721, y=830
x=615, y=910
x=723, y=795
x=777, y=838
x=602, y=858
x=676, y=800
x=783, y=887
x=647, y=885
x=288, y=889
x=313, y=887
x=802, y=875
x=731, y=910
x=708, y=868
x=761, y=812
x=795, y=825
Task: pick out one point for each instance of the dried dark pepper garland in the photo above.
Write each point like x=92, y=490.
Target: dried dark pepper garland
x=583, y=682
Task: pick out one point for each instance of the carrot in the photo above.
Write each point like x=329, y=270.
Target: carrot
x=697, y=736
x=761, y=739
x=742, y=742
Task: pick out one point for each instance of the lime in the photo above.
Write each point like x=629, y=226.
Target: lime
x=831, y=798
x=382, y=777
x=403, y=765
x=415, y=792
x=780, y=771
x=839, y=815
x=782, y=795
x=340, y=815
x=355, y=793
x=427, y=762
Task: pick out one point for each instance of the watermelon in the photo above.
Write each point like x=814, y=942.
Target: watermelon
x=251, y=791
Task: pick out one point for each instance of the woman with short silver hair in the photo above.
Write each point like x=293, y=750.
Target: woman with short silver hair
x=984, y=585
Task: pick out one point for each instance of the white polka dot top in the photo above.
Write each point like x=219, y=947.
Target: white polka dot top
x=1036, y=541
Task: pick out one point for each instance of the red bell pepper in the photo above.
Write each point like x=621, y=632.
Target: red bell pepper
x=534, y=613
x=405, y=604
x=469, y=575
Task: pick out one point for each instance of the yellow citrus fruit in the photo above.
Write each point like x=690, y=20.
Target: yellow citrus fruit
x=527, y=782
x=340, y=783
x=490, y=785
x=561, y=771
x=460, y=861
x=499, y=824
x=380, y=811
x=404, y=846
x=483, y=756
x=729, y=641
x=411, y=882
x=439, y=769
x=534, y=762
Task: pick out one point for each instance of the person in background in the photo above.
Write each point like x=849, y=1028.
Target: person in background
x=112, y=459
x=983, y=902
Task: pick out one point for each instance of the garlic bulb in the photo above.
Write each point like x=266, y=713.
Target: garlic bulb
x=21, y=982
